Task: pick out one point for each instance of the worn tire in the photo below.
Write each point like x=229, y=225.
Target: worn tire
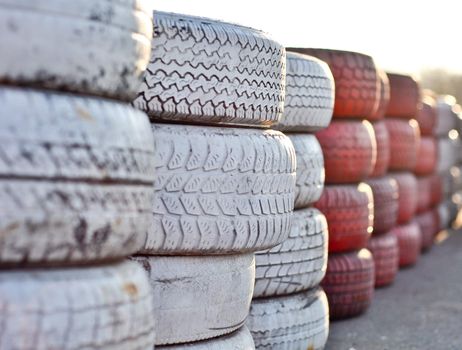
x=349, y=283
x=410, y=243
x=349, y=149
x=408, y=195
x=71, y=191
x=349, y=211
x=357, y=83
x=197, y=298
x=106, y=307
x=404, y=143
x=294, y=322
x=207, y=71
x=426, y=116
x=446, y=117
x=95, y=48
x=424, y=193
x=384, y=96
x=383, y=149
x=404, y=96
x=428, y=222
x=385, y=194
x=310, y=169
x=220, y=190
x=385, y=250
x=427, y=156
x=299, y=263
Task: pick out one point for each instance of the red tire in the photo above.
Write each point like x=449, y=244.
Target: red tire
x=436, y=189
x=357, y=84
x=384, y=96
x=349, y=213
x=383, y=149
x=404, y=143
x=349, y=283
x=385, y=250
x=410, y=243
x=426, y=116
x=385, y=194
x=407, y=189
x=349, y=150
x=426, y=156
x=424, y=193
x=404, y=96
x=429, y=226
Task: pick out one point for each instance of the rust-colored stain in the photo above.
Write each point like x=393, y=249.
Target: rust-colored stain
x=131, y=289
x=310, y=347
x=84, y=114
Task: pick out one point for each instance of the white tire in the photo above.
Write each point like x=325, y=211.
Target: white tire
x=206, y=71
x=198, y=298
x=299, y=263
x=310, y=92
x=220, y=190
x=294, y=322
x=447, y=118
x=447, y=153
x=100, y=308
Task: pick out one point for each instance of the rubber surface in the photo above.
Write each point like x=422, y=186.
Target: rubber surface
x=349, y=283
x=384, y=96
x=349, y=149
x=106, y=307
x=408, y=195
x=427, y=156
x=424, y=193
x=436, y=189
x=447, y=154
x=197, y=298
x=426, y=116
x=294, y=322
x=207, y=71
x=297, y=264
x=428, y=223
x=410, y=243
x=349, y=210
x=383, y=149
x=404, y=143
x=357, y=83
x=404, y=96
x=385, y=194
x=446, y=117
x=385, y=250
x=310, y=93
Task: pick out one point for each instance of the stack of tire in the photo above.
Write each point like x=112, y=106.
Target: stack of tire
x=404, y=134
x=221, y=191
x=349, y=149
x=76, y=175
x=289, y=310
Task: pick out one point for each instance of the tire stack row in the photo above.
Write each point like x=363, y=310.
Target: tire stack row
x=224, y=184
x=76, y=169
x=289, y=310
x=349, y=149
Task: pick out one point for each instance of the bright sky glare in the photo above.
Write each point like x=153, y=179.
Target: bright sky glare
x=402, y=35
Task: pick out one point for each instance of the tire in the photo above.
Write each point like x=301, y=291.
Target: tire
x=105, y=308
x=220, y=190
x=447, y=154
x=446, y=115
x=385, y=195
x=424, y=193
x=383, y=149
x=357, y=83
x=349, y=212
x=404, y=143
x=410, y=243
x=427, y=156
x=197, y=298
x=444, y=216
x=72, y=192
x=207, y=71
x=310, y=93
x=426, y=116
x=385, y=250
x=349, y=149
x=408, y=195
x=436, y=190
x=103, y=47
x=310, y=169
x=429, y=226
x=239, y=340
x=297, y=264
x=294, y=322
x=404, y=96
x=384, y=96
x=349, y=283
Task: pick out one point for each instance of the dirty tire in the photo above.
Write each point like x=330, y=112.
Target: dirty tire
x=404, y=143
x=72, y=192
x=385, y=250
x=199, y=297
x=299, y=263
x=310, y=169
x=309, y=99
x=349, y=283
x=408, y=195
x=429, y=226
x=384, y=96
x=207, y=71
x=436, y=189
x=76, y=308
x=385, y=194
x=220, y=190
x=357, y=83
x=447, y=154
x=427, y=156
x=404, y=96
x=349, y=149
x=294, y=322
x=447, y=118
x=349, y=213
x=383, y=149
x=410, y=243
x=103, y=47
x=424, y=193
x=426, y=116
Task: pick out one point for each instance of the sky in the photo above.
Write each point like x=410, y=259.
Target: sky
x=403, y=36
